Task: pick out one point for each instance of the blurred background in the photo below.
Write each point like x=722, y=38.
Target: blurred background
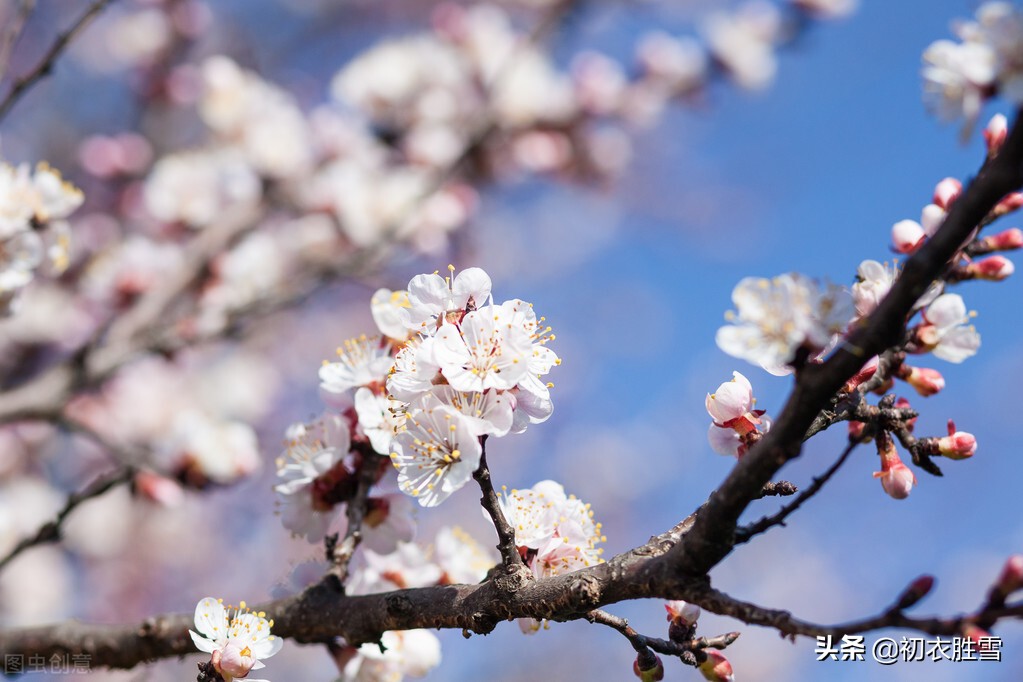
x=624, y=197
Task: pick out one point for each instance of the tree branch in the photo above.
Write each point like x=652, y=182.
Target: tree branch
x=712, y=536
x=749, y=532
x=51, y=531
x=46, y=64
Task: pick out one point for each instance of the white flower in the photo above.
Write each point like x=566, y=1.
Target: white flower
x=554, y=532
x=54, y=197
x=219, y=450
x=379, y=418
x=533, y=512
x=480, y=353
x=388, y=522
x=386, y=306
x=743, y=42
x=533, y=399
x=955, y=78
x=946, y=331
x=414, y=370
x=776, y=317
x=461, y=558
x=873, y=281
x=197, y=187
x=305, y=509
x=431, y=296
x=732, y=400
x=237, y=643
x=363, y=361
x=409, y=652
x=405, y=567
x=488, y=413
x=436, y=453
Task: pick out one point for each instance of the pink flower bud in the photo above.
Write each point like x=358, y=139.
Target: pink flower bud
x=159, y=489
x=946, y=192
x=1011, y=578
x=926, y=381
x=867, y=371
x=957, y=444
x=648, y=667
x=977, y=634
x=931, y=218
x=717, y=668
x=1004, y=241
x=995, y=133
x=233, y=661
x=1009, y=203
x=856, y=430
x=993, y=269
x=907, y=236
x=896, y=478
x=917, y=590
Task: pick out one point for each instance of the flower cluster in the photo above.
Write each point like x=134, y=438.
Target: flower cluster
x=987, y=60
x=33, y=205
x=554, y=532
x=472, y=369
x=237, y=642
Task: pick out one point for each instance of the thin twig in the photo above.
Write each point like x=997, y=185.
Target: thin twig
x=46, y=64
x=14, y=31
x=51, y=531
x=355, y=514
x=747, y=533
x=510, y=556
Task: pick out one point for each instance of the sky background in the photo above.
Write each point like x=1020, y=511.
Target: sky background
x=806, y=176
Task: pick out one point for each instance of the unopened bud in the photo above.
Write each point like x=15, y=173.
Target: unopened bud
x=981, y=637
x=907, y=236
x=648, y=666
x=1009, y=203
x=993, y=269
x=925, y=380
x=931, y=218
x=1003, y=241
x=896, y=478
x=957, y=444
x=717, y=668
x=995, y=133
x=865, y=373
x=856, y=431
x=1011, y=578
x=159, y=489
x=917, y=590
x=946, y=192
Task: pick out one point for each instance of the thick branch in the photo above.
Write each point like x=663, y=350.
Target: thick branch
x=712, y=536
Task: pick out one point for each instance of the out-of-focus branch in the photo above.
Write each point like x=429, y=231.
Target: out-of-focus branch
x=46, y=64
x=51, y=531
x=13, y=33
x=44, y=395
